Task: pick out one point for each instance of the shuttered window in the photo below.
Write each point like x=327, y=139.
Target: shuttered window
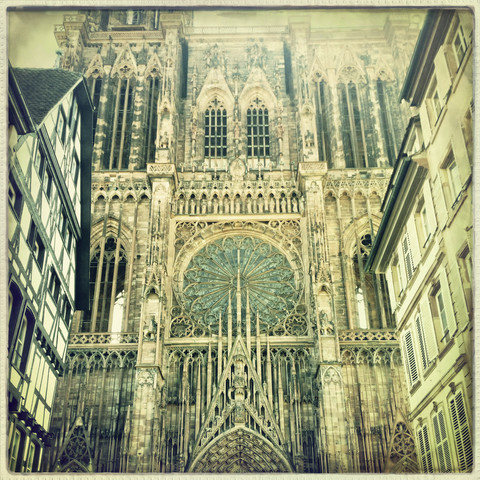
x=422, y=342
x=426, y=462
x=407, y=255
x=441, y=443
x=410, y=360
x=461, y=432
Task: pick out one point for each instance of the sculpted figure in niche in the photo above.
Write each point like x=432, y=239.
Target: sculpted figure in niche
x=283, y=205
x=260, y=204
x=215, y=204
x=271, y=205
x=294, y=204
x=249, y=204
x=150, y=328
x=192, y=206
x=238, y=205
x=203, y=204
x=226, y=204
x=181, y=205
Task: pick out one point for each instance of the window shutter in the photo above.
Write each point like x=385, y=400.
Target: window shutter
x=461, y=432
x=427, y=195
x=391, y=289
x=407, y=254
x=441, y=442
x=410, y=361
x=413, y=239
x=425, y=452
x=447, y=299
x=421, y=342
x=443, y=74
x=428, y=329
x=439, y=202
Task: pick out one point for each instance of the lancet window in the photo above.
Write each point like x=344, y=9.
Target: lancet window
x=258, y=134
x=353, y=131
x=108, y=268
x=215, y=130
x=322, y=107
x=95, y=88
x=118, y=149
x=153, y=91
x=386, y=120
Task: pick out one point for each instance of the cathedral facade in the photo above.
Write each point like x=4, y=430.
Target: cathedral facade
x=238, y=176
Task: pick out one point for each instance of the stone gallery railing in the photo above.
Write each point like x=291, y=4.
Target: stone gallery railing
x=89, y=339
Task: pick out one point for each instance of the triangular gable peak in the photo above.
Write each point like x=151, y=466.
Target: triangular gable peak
x=154, y=67
x=257, y=85
x=75, y=454
x=125, y=64
x=215, y=85
x=349, y=68
x=383, y=71
x=233, y=400
x=95, y=68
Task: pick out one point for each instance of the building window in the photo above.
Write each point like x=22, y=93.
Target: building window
x=15, y=301
x=23, y=342
x=215, y=130
x=14, y=196
x=410, y=360
x=15, y=452
x=36, y=245
x=461, y=432
x=75, y=167
x=153, y=92
x=118, y=152
x=442, y=309
x=453, y=176
x=258, y=134
x=29, y=467
x=107, y=282
x=54, y=285
x=459, y=45
x=321, y=103
x=467, y=129
x=426, y=461
x=66, y=310
x=441, y=442
x=423, y=223
x=353, y=133
x=434, y=106
x=61, y=125
x=465, y=266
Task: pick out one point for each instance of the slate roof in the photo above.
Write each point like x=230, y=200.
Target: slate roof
x=43, y=88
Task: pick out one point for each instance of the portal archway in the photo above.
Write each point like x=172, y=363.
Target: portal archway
x=240, y=450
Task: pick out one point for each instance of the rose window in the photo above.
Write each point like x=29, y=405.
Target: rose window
x=236, y=274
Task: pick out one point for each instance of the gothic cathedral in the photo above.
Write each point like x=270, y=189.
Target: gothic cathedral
x=238, y=175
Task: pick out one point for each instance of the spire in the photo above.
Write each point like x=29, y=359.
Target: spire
x=229, y=323
x=239, y=297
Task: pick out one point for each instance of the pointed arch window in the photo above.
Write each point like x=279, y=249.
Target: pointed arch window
x=386, y=120
x=215, y=130
x=153, y=91
x=108, y=268
x=258, y=133
x=353, y=131
x=95, y=84
x=322, y=107
x=121, y=116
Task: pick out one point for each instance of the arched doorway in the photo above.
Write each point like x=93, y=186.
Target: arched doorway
x=240, y=450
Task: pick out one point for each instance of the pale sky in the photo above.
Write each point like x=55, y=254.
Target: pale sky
x=31, y=41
